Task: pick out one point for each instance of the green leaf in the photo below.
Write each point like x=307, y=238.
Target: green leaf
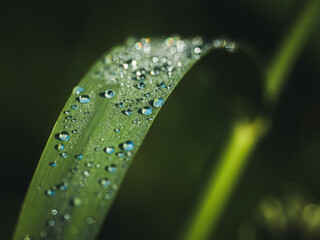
x=98, y=133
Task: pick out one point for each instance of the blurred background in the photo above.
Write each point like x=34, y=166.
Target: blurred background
x=47, y=47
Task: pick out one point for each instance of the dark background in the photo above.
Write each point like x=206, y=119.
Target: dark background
x=45, y=49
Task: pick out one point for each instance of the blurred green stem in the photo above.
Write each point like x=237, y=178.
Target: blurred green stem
x=245, y=136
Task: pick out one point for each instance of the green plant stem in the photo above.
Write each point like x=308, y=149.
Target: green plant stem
x=245, y=136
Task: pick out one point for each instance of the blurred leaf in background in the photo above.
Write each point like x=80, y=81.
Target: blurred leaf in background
x=46, y=47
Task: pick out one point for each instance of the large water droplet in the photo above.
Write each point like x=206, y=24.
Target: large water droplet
x=64, y=136
x=84, y=99
x=146, y=110
x=109, y=93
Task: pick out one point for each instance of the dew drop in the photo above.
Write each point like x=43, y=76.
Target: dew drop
x=60, y=146
x=109, y=93
x=64, y=154
x=66, y=217
x=50, y=192
x=76, y=202
x=53, y=164
x=146, y=110
x=74, y=107
x=105, y=182
x=112, y=168
x=51, y=223
x=109, y=149
x=67, y=112
x=84, y=99
x=128, y=111
x=158, y=102
x=54, y=212
x=79, y=156
x=64, y=136
x=141, y=85
x=120, y=104
x=128, y=146
x=77, y=90
x=117, y=130
x=120, y=154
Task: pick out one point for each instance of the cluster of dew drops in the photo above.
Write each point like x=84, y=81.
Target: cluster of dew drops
x=146, y=68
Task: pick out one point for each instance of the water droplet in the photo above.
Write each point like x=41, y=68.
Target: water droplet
x=90, y=220
x=67, y=112
x=53, y=164
x=60, y=147
x=197, y=50
x=147, y=95
x=117, y=130
x=120, y=154
x=158, y=102
x=50, y=192
x=109, y=149
x=111, y=168
x=63, y=186
x=146, y=110
x=77, y=90
x=66, y=217
x=105, y=182
x=86, y=173
x=84, y=99
x=64, y=136
x=51, y=223
x=128, y=145
x=74, y=107
x=141, y=85
x=64, y=155
x=163, y=85
x=109, y=93
x=43, y=234
x=54, y=212
x=79, y=156
x=76, y=202
x=97, y=149
x=27, y=237
x=120, y=104
x=128, y=111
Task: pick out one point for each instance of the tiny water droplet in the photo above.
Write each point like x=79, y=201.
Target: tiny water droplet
x=51, y=223
x=141, y=85
x=128, y=111
x=109, y=149
x=64, y=155
x=117, y=130
x=120, y=154
x=53, y=164
x=64, y=136
x=74, y=107
x=105, y=182
x=66, y=217
x=111, y=168
x=109, y=93
x=79, y=156
x=60, y=147
x=84, y=99
x=67, y=112
x=120, y=104
x=50, y=192
x=128, y=145
x=97, y=149
x=54, y=212
x=76, y=202
x=163, y=85
x=146, y=110
x=77, y=90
